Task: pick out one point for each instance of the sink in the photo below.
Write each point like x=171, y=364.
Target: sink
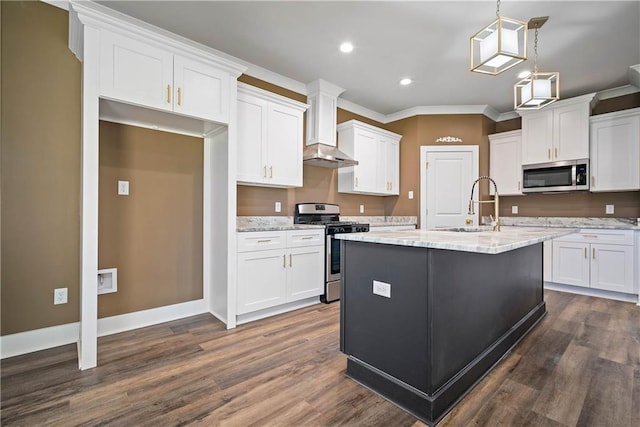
x=463, y=229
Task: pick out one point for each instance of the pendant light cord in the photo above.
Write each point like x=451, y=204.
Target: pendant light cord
x=535, y=52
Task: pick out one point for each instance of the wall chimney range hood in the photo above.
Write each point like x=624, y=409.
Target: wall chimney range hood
x=322, y=149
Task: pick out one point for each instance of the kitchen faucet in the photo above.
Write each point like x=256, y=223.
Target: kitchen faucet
x=496, y=202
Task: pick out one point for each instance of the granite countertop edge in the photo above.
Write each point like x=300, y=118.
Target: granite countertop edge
x=488, y=242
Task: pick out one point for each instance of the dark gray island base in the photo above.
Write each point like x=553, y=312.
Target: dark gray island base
x=451, y=316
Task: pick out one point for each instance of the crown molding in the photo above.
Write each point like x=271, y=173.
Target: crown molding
x=617, y=91
x=61, y=4
x=361, y=111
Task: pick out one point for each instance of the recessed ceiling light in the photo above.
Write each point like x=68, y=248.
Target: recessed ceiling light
x=406, y=81
x=346, y=47
x=524, y=74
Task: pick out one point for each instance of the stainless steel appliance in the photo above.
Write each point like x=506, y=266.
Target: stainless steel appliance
x=328, y=215
x=569, y=175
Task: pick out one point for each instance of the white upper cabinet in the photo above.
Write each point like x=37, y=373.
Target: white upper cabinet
x=505, y=162
x=144, y=74
x=615, y=151
x=270, y=138
x=557, y=132
x=378, y=154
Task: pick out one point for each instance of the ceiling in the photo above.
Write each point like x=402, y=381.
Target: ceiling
x=591, y=44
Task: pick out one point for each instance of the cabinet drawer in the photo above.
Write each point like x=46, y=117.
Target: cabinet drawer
x=261, y=240
x=298, y=238
x=615, y=237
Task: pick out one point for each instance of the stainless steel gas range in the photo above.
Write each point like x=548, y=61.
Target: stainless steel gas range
x=328, y=215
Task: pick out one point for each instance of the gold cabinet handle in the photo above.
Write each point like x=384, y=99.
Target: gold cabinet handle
x=356, y=181
x=307, y=238
x=593, y=254
x=290, y=260
x=264, y=172
x=270, y=171
x=585, y=253
x=179, y=96
x=549, y=153
x=284, y=261
x=168, y=94
x=556, y=153
x=594, y=236
x=593, y=181
x=264, y=241
x=518, y=185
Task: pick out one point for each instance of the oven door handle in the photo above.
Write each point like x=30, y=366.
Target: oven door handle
x=327, y=270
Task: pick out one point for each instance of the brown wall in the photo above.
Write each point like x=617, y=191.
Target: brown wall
x=154, y=235
x=40, y=167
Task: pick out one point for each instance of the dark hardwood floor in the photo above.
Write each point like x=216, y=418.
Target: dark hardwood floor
x=579, y=367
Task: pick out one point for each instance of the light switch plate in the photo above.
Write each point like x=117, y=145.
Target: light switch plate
x=410, y=195
x=361, y=208
x=278, y=207
x=514, y=210
x=609, y=209
x=123, y=188
x=60, y=296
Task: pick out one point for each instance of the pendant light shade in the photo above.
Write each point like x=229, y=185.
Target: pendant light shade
x=498, y=46
x=538, y=89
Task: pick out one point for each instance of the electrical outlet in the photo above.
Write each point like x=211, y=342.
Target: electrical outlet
x=361, y=208
x=60, y=296
x=514, y=210
x=609, y=209
x=278, y=207
x=410, y=195
x=123, y=188
x=381, y=288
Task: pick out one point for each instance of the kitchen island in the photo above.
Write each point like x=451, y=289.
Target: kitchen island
x=426, y=314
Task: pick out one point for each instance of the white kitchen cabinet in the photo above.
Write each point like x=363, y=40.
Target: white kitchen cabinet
x=597, y=259
x=557, y=132
x=148, y=75
x=505, y=162
x=278, y=267
x=270, y=138
x=378, y=154
x=615, y=151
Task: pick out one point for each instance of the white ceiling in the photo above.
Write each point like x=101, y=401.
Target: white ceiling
x=591, y=44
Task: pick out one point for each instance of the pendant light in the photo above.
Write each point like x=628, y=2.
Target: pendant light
x=498, y=46
x=538, y=89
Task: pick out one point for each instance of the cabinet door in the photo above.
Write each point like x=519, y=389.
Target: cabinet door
x=261, y=281
x=284, y=145
x=612, y=268
x=390, y=166
x=505, y=164
x=201, y=90
x=366, y=153
x=305, y=276
x=537, y=135
x=571, y=263
x=135, y=72
x=615, y=154
x=571, y=132
x=252, y=134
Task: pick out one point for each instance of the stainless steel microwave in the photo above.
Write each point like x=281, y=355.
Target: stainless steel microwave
x=556, y=176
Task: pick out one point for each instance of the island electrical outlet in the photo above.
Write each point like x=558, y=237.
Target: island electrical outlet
x=381, y=288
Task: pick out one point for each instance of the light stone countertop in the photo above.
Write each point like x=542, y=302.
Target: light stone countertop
x=488, y=242
x=270, y=223
x=572, y=222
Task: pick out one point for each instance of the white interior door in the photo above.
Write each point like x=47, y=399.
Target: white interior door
x=447, y=174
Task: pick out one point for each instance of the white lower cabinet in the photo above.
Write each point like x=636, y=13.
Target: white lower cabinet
x=278, y=267
x=597, y=259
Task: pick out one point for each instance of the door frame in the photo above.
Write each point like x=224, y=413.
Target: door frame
x=424, y=151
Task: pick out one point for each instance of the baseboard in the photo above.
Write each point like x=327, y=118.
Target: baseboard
x=55, y=336
x=592, y=292
x=267, y=312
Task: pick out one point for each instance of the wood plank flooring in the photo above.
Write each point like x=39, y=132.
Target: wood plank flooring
x=579, y=367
